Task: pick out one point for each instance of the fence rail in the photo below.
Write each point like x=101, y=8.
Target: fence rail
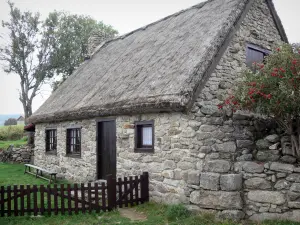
x=68, y=199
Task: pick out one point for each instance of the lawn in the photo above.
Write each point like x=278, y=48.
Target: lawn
x=153, y=214
x=5, y=144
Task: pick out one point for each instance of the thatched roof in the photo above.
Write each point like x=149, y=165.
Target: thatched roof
x=155, y=68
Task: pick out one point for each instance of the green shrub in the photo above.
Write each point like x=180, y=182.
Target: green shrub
x=8, y=133
x=177, y=212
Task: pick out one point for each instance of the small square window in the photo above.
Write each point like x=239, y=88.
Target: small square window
x=74, y=141
x=144, y=136
x=255, y=54
x=51, y=140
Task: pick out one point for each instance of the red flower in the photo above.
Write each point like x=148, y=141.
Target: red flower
x=282, y=70
x=251, y=91
x=278, y=49
x=269, y=96
x=294, y=62
x=220, y=106
x=281, y=76
x=253, y=84
x=273, y=74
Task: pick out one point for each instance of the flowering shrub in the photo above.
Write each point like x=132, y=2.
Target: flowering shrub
x=273, y=89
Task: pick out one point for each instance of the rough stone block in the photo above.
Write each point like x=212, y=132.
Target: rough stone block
x=282, y=185
x=235, y=215
x=293, y=196
x=288, y=159
x=218, y=166
x=244, y=143
x=252, y=167
x=186, y=165
x=273, y=138
x=169, y=164
x=226, y=147
x=294, y=205
x=262, y=144
x=294, y=177
x=210, y=181
x=257, y=183
x=207, y=128
x=231, y=182
x=280, y=167
x=193, y=177
x=267, y=156
x=295, y=187
x=217, y=199
x=272, y=197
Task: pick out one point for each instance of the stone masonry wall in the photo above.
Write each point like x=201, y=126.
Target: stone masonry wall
x=81, y=169
x=203, y=159
x=17, y=155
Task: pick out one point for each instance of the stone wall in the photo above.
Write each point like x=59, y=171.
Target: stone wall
x=17, y=155
x=81, y=169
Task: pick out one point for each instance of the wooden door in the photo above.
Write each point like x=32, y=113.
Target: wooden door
x=106, y=149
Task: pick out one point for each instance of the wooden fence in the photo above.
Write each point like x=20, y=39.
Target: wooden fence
x=67, y=199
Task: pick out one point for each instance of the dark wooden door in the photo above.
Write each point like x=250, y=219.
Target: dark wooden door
x=106, y=142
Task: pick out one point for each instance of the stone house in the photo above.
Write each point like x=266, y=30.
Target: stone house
x=147, y=101
x=21, y=120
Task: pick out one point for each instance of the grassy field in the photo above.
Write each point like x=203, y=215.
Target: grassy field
x=12, y=135
x=154, y=214
x=5, y=144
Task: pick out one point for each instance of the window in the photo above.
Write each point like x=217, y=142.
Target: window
x=255, y=54
x=51, y=140
x=74, y=141
x=144, y=136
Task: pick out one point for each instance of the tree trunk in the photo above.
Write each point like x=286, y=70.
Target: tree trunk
x=27, y=107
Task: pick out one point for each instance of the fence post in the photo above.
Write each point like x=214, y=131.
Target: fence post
x=145, y=187
x=111, y=192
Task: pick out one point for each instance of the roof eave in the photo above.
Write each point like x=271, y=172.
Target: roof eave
x=95, y=112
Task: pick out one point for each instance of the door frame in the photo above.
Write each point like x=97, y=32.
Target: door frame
x=98, y=121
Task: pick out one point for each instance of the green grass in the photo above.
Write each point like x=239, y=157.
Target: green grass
x=5, y=144
x=13, y=174
x=157, y=214
x=15, y=132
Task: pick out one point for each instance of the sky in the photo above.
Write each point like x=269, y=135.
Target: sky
x=124, y=16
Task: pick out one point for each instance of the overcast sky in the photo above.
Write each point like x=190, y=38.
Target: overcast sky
x=124, y=16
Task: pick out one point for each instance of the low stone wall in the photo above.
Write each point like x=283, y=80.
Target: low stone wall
x=17, y=155
x=271, y=182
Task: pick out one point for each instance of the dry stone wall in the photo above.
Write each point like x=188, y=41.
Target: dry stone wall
x=17, y=155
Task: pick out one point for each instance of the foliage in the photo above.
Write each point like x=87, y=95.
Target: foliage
x=273, y=89
x=38, y=50
x=71, y=36
x=27, y=53
x=177, y=212
x=11, y=133
x=10, y=121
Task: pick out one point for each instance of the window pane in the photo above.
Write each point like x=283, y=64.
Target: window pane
x=147, y=136
x=254, y=56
